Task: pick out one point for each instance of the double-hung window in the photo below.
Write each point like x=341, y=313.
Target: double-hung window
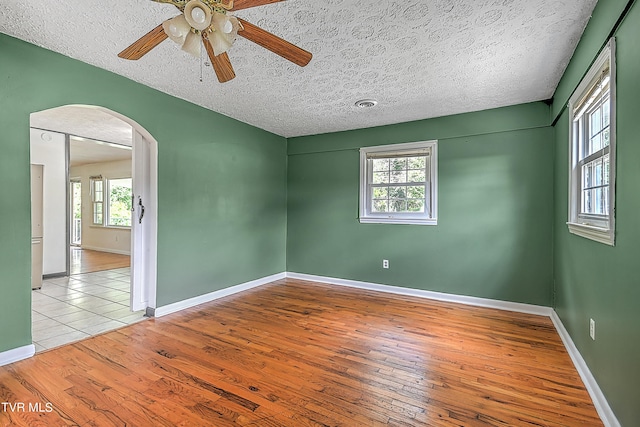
x=592, y=152
x=398, y=183
x=97, y=199
x=111, y=208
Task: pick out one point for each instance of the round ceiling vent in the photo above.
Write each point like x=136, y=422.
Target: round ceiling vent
x=366, y=103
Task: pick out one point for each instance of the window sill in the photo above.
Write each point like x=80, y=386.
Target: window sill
x=112, y=227
x=601, y=235
x=411, y=221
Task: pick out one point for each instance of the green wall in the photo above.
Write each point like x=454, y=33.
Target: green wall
x=593, y=280
x=222, y=183
x=495, y=190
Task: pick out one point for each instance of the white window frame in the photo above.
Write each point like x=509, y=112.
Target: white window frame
x=600, y=228
x=431, y=196
x=107, y=200
x=95, y=201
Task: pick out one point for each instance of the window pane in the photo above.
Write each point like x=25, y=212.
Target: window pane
x=380, y=206
x=380, y=165
x=595, y=201
x=587, y=175
x=595, y=143
x=120, y=197
x=399, y=176
x=381, y=177
x=398, y=205
x=397, y=192
x=399, y=164
x=606, y=169
x=97, y=213
x=605, y=112
x=380, y=192
x=414, y=205
x=417, y=176
x=417, y=162
x=595, y=121
x=416, y=192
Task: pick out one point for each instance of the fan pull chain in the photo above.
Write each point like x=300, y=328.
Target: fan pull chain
x=201, y=63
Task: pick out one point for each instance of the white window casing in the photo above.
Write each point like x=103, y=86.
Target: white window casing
x=398, y=183
x=592, y=151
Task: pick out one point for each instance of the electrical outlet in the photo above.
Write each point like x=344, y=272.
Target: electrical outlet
x=385, y=263
x=592, y=329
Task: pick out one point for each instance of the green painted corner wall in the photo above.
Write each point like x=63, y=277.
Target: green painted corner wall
x=597, y=281
x=222, y=183
x=494, y=232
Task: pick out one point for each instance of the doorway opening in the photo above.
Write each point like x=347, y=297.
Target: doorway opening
x=76, y=212
x=107, y=275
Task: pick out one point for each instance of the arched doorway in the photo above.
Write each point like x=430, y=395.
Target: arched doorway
x=104, y=125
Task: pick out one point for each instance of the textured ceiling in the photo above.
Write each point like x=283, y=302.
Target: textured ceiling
x=419, y=59
x=90, y=123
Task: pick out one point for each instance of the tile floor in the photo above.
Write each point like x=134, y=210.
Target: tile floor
x=69, y=309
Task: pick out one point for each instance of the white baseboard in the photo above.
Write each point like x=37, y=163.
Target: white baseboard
x=439, y=296
x=17, y=354
x=192, y=302
x=109, y=250
x=599, y=400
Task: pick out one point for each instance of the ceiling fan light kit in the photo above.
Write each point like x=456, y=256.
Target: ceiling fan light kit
x=209, y=22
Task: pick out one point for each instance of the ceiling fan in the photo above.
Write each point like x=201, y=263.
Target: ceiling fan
x=211, y=23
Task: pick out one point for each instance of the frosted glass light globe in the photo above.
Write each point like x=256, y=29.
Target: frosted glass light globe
x=198, y=15
x=175, y=31
x=228, y=26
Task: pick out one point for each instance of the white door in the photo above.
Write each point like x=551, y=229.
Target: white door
x=142, y=267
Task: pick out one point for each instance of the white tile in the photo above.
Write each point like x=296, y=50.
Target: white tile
x=55, y=310
x=94, y=320
x=107, y=326
x=43, y=325
x=106, y=308
x=133, y=318
x=63, y=339
x=71, y=295
x=119, y=313
x=78, y=315
x=35, y=316
x=87, y=301
x=45, y=334
x=39, y=348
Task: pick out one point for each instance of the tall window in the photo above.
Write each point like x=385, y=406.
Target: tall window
x=97, y=199
x=111, y=207
x=120, y=197
x=398, y=183
x=592, y=148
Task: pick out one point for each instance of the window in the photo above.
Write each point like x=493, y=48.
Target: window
x=118, y=201
x=398, y=183
x=120, y=196
x=97, y=199
x=592, y=151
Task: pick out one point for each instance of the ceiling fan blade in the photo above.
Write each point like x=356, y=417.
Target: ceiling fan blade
x=274, y=43
x=246, y=4
x=221, y=63
x=143, y=45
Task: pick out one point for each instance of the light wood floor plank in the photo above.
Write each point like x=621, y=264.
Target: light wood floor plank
x=296, y=353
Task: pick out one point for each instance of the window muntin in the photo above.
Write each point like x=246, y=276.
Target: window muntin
x=398, y=183
x=592, y=148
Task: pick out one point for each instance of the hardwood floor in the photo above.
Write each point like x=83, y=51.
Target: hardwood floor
x=89, y=261
x=296, y=353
